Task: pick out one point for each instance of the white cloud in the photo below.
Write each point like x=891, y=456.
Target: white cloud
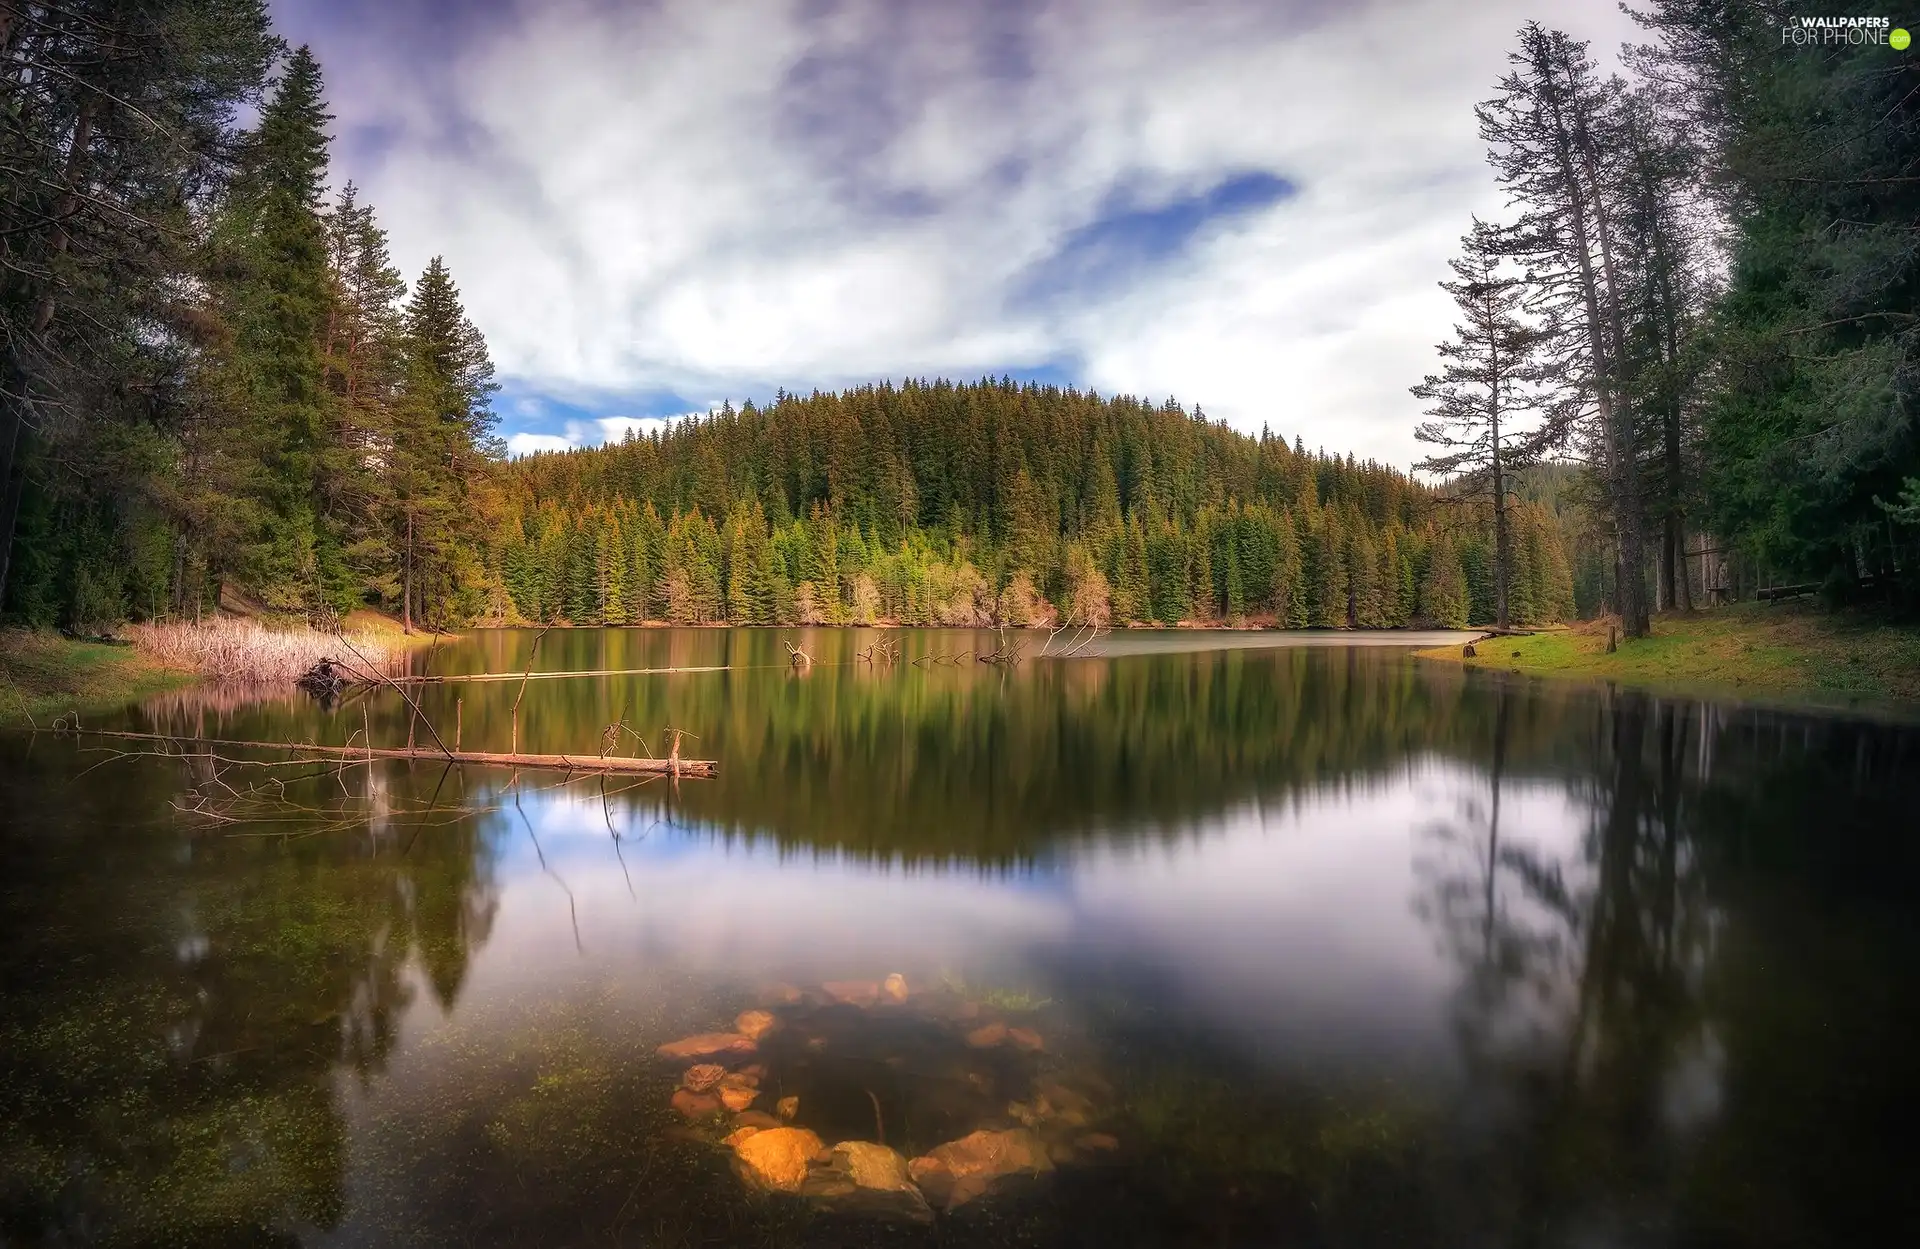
x=698, y=198
x=524, y=443
x=589, y=433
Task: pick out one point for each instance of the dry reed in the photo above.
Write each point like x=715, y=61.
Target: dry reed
x=245, y=650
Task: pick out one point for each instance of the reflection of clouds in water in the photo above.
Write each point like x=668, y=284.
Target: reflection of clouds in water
x=1297, y=928
x=1300, y=925
x=737, y=907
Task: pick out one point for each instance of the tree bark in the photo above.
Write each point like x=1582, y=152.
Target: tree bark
x=14, y=483
x=406, y=586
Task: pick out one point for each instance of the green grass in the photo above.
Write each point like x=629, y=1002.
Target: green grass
x=43, y=675
x=1788, y=649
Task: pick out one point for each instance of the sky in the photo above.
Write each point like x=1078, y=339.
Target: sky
x=650, y=207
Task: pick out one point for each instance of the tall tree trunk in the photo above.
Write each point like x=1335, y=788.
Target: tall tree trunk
x=1686, y=572
x=1604, y=334
x=1502, y=543
x=14, y=484
x=406, y=588
x=1627, y=513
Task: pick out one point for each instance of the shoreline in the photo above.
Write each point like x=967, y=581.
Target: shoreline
x=44, y=676
x=1791, y=653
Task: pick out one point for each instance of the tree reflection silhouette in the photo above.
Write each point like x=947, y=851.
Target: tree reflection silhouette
x=1630, y=1023
x=177, y=1005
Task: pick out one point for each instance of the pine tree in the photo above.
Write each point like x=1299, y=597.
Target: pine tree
x=276, y=290
x=1443, y=595
x=363, y=362
x=1366, y=609
x=1553, y=144
x=441, y=445
x=1290, y=596
x=1478, y=398
x=1327, y=574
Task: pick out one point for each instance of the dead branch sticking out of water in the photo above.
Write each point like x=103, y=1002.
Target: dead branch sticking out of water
x=412, y=706
x=1006, y=652
x=799, y=659
x=531, y=656
x=524, y=677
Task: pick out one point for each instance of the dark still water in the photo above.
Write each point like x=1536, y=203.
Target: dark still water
x=1307, y=946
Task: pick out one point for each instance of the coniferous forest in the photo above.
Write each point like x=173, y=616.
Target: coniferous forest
x=1688, y=348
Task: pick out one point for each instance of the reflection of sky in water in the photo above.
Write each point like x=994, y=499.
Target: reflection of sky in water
x=1293, y=930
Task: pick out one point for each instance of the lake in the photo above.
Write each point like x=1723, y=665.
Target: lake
x=1242, y=943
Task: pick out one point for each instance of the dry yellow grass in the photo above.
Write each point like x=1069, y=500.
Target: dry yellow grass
x=246, y=650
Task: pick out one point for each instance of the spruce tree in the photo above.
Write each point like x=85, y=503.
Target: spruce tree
x=1553, y=142
x=1479, y=397
x=1443, y=594
x=442, y=443
x=276, y=288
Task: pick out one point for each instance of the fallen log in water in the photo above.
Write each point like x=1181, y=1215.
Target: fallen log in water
x=672, y=765
x=547, y=676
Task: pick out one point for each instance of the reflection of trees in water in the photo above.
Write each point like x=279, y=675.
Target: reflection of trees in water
x=999, y=767
x=925, y=762
x=179, y=1007
x=1632, y=1016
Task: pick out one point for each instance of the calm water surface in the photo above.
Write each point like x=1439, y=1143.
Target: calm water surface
x=1332, y=946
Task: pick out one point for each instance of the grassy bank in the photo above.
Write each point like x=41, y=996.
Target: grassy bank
x=1752, y=649
x=43, y=675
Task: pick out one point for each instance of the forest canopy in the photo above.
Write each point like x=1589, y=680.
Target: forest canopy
x=1688, y=345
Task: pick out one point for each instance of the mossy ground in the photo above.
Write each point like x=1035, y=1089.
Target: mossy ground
x=1768, y=650
x=43, y=675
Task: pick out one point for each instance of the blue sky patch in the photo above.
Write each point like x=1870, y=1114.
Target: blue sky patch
x=1128, y=238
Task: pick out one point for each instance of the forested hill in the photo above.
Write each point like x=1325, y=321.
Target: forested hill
x=215, y=386
x=938, y=502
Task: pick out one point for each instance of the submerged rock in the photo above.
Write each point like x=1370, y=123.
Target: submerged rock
x=694, y=1105
x=734, y=1137
x=708, y=1045
x=780, y=993
x=756, y=1119
x=1062, y=1100
x=754, y=1024
x=737, y=1097
x=866, y=1179
x=957, y=1172
x=1096, y=1143
x=987, y=1036
x=703, y=1076
x=1026, y=1039
x=853, y=992
x=775, y=1159
x=787, y=1107
x=895, y=987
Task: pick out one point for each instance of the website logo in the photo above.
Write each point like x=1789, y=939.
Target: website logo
x=1833, y=32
